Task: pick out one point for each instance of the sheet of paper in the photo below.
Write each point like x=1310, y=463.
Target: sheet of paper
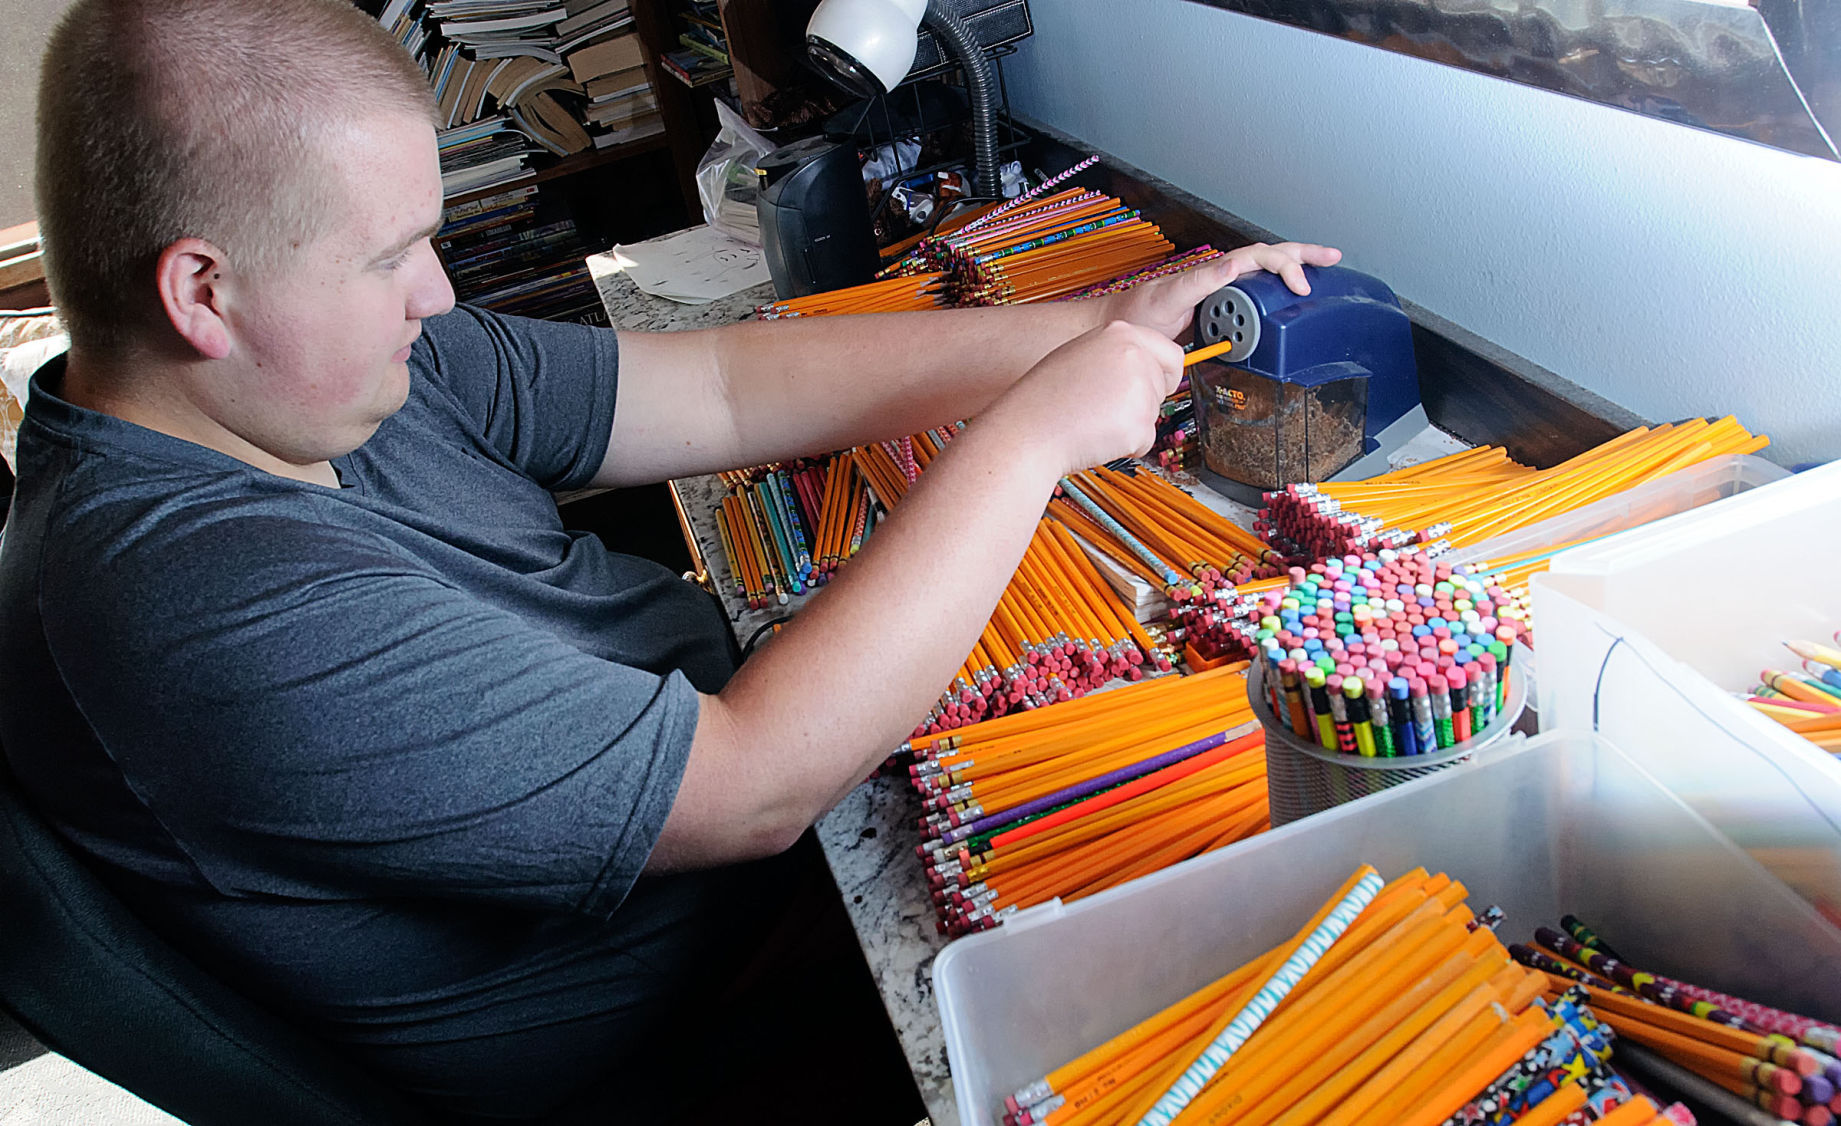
x=694, y=266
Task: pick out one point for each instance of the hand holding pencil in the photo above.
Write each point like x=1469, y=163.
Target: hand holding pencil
x=1093, y=399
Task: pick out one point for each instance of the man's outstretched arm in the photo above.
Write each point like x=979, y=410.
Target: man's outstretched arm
x=811, y=714
x=747, y=394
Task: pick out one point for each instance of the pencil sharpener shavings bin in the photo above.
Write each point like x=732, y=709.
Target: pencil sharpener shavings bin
x=1303, y=777
x=1314, y=386
x=1268, y=433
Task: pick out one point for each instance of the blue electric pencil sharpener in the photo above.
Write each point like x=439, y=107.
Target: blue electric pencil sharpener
x=1315, y=388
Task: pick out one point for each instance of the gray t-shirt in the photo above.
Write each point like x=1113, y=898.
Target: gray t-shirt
x=388, y=756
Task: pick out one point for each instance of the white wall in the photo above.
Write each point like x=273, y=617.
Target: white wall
x=24, y=27
x=1672, y=271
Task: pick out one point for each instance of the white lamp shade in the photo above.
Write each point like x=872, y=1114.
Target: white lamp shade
x=877, y=34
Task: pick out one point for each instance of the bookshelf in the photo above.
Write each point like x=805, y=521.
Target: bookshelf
x=767, y=48
x=690, y=119
x=552, y=146
x=571, y=165
x=770, y=85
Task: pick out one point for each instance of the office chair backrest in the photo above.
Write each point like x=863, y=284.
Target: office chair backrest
x=90, y=981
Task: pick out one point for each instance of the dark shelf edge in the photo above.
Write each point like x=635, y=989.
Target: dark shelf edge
x=567, y=166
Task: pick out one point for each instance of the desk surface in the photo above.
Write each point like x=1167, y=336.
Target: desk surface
x=869, y=838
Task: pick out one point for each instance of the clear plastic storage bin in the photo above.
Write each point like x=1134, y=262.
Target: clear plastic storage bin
x=1684, y=490
x=1645, y=637
x=1560, y=823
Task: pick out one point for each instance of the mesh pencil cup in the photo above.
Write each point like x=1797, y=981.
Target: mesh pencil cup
x=1302, y=778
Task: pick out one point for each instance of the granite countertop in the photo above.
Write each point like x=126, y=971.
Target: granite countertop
x=869, y=838
x=629, y=308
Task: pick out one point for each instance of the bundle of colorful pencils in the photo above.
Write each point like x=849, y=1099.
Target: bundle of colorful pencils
x=1056, y=633
x=1470, y=497
x=893, y=295
x=1063, y=246
x=1175, y=448
x=1806, y=702
x=890, y=467
x=842, y=511
x=1384, y=655
x=1394, y=1004
x=1053, y=246
x=1068, y=801
x=785, y=529
x=1047, y=245
x=920, y=251
x=1762, y=1057
x=1175, y=264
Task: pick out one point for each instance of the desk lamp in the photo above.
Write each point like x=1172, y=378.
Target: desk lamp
x=867, y=48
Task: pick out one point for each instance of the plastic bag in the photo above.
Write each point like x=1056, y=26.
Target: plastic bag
x=726, y=180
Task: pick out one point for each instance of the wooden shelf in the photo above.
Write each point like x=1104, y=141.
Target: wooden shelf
x=690, y=121
x=567, y=166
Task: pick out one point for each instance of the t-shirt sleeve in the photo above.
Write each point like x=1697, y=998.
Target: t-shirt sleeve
x=541, y=392
x=311, y=715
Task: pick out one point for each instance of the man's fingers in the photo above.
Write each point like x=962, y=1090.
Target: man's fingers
x=1168, y=352
x=1287, y=260
x=1169, y=356
x=1245, y=260
x=1190, y=286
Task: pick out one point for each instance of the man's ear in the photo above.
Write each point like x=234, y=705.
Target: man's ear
x=194, y=293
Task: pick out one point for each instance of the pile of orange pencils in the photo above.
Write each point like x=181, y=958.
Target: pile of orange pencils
x=890, y=467
x=1394, y=1004
x=891, y=295
x=1046, y=245
x=1057, y=632
x=1058, y=247
x=1182, y=535
x=1470, y=497
x=1198, y=559
x=1065, y=802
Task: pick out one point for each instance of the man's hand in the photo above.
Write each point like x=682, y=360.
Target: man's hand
x=1091, y=400
x=1168, y=304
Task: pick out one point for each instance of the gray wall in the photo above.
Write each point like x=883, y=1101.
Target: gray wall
x=24, y=27
x=1672, y=271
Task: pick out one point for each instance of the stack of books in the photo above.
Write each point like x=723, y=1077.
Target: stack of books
x=403, y=20
x=622, y=106
x=522, y=59
x=591, y=21
x=703, y=54
x=513, y=80
x=504, y=254
x=483, y=154
x=497, y=28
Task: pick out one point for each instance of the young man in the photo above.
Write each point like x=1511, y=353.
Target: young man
x=295, y=643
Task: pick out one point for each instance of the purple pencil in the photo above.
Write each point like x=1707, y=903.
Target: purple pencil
x=1091, y=786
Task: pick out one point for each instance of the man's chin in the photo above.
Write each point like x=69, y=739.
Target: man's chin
x=399, y=388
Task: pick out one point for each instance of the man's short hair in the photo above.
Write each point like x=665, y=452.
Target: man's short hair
x=165, y=119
